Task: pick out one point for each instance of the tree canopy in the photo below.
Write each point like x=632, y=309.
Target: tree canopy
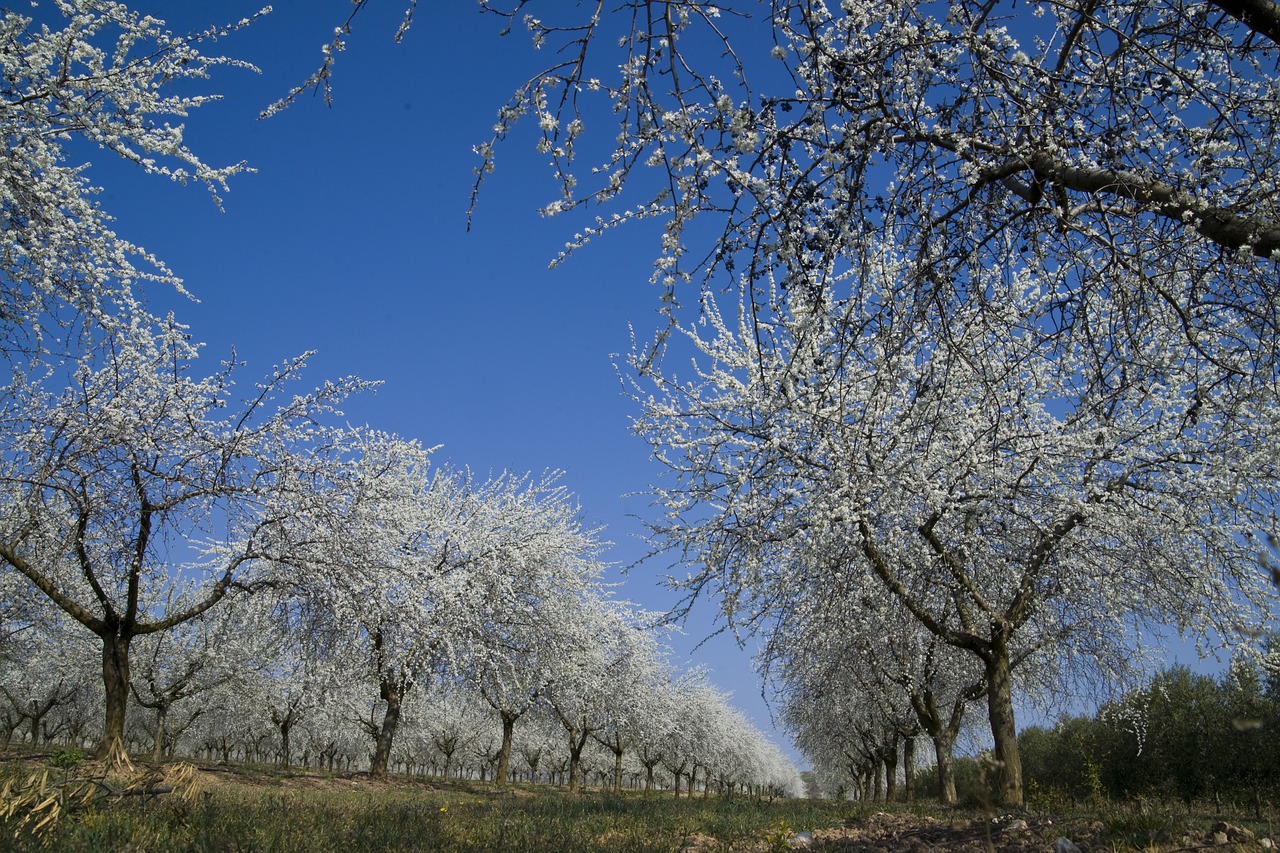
x=979, y=308
x=980, y=300
x=89, y=76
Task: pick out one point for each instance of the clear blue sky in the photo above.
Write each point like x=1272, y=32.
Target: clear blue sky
x=351, y=240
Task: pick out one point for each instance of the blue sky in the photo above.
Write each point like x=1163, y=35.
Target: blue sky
x=351, y=239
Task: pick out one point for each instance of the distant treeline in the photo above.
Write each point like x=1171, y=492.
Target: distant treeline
x=1186, y=738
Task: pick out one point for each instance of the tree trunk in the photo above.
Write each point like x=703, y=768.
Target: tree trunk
x=1004, y=731
x=576, y=744
x=909, y=769
x=448, y=758
x=617, y=771
x=575, y=770
x=162, y=715
x=36, y=716
x=943, y=734
x=889, y=756
x=115, y=681
x=284, y=722
x=944, y=756
x=392, y=692
x=285, y=725
x=504, y=754
x=38, y=710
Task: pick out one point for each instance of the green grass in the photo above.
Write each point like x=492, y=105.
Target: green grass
x=353, y=815
x=264, y=809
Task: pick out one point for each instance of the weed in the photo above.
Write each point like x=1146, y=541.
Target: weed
x=67, y=759
x=779, y=837
x=1141, y=829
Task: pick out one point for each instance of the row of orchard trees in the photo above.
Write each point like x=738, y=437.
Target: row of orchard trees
x=970, y=381
x=915, y=521
x=862, y=688
x=140, y=502
x=972, y=339
x=201, y=536
x=237, y=685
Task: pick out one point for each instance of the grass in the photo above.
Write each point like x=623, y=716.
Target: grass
x=274, y=813
x=264, y=809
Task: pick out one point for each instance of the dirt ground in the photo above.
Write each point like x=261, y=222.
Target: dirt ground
x=904, y=833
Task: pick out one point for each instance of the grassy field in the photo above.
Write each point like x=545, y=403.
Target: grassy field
x=259, y=810
x=262, y=809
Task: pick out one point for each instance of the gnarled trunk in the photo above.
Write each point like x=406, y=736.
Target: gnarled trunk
x=617, y=770
x=944, y=733
x=284, y=722
x=162, y=721
x=944, y=754
x=577, y=740
x=889, y=757
x=1003, y=728
x=909, y=769
x=115, y=680
x=648, y=776
x=500, y=776
x=392, y=692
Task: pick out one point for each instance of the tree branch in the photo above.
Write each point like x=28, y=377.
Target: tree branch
x=45, y=585
x=1261, y=16
x=1224, y=227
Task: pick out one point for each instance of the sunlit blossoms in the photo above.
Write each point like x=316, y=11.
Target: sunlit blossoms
x=967, y=387
x=986, y=326
x=82, y=77
x=225, y=569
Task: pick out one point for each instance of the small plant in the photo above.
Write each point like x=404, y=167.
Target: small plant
x=779, y=836
x=67, y=759
x=1142, y=829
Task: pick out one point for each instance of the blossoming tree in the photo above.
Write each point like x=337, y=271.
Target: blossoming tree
x=1006, y=497
x=425, y=571
x=552, y=581
x=1067, y=370
x=135, y=496
x=1006, y=303
x=848, y=650
x=1129, y=147
x=77, y=76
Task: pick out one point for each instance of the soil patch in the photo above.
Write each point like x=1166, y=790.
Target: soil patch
x=906, y=833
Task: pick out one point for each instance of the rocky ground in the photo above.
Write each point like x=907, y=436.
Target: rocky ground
x=905, y=833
